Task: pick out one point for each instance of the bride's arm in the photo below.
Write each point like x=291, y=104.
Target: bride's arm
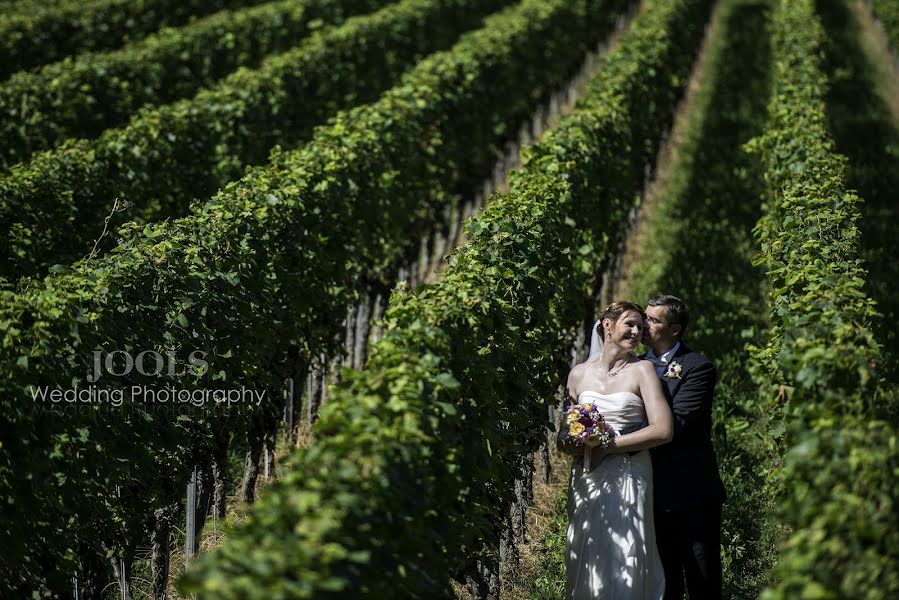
x=660, y=429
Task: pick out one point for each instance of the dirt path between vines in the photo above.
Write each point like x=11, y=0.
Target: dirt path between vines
x=636, y=239
x=882, y=56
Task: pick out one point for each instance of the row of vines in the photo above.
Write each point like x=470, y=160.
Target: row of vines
x=167, y=156
x=412, y=471
x=83, y=95
x=259, y=277
x=835, y=416
x=36, y=32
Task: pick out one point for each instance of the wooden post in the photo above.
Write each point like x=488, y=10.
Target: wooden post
x=288, y=412
x=374, y=334
x=363, y=326
x=160, y=558
x=124, y=589
x=349, y=332
x=423, y=259
x=191, y=528
x=219, y=476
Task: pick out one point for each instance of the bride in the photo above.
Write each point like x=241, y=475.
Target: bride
x=610, y=547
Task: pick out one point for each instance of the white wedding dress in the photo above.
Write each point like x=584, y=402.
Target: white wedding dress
x=611, y=548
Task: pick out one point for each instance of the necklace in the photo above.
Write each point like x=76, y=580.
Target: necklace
x=616, y=370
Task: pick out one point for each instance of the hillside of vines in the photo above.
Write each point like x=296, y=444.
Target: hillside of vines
x=290, y=289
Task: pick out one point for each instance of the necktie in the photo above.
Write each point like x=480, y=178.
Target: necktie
x=660, y=363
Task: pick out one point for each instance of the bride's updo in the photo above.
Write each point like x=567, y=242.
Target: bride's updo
x=614, y=311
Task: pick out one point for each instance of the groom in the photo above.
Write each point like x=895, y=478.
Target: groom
x=688, y=492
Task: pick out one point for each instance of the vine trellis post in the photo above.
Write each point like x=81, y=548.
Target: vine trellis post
x=288, y=412
x=191, y=529
x=123, y=581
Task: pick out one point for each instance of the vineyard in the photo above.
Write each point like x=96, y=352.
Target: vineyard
x=289, y=289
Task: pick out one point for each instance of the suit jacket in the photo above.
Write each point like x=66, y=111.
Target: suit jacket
x=685, y=471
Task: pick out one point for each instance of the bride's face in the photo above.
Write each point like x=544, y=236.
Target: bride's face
x=627, y=330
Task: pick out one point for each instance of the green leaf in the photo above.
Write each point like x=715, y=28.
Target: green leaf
x=447, y=408
x=448, y=381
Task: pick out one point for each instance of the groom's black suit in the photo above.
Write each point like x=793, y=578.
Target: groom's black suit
x=688, y=492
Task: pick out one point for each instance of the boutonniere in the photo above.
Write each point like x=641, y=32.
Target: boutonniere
x=673, y=370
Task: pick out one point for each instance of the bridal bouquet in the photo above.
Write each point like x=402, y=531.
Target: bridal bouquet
x=586, y=423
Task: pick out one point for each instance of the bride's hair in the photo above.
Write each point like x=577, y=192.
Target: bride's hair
x=614, y=311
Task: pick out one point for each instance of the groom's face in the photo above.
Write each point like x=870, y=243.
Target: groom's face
x=657, y=332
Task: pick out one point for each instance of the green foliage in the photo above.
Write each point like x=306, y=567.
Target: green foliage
x=865, y=131
x=841, y=502
x=53, y=207
x=82, y=96
x=413, y=465
x=36, y=32
x=258, y=277
x=821, y=336
x=838, y=485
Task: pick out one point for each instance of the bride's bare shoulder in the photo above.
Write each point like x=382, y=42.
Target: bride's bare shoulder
x=644, y=364
x=584, y=367
x=645, y=367
x=577, y=372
